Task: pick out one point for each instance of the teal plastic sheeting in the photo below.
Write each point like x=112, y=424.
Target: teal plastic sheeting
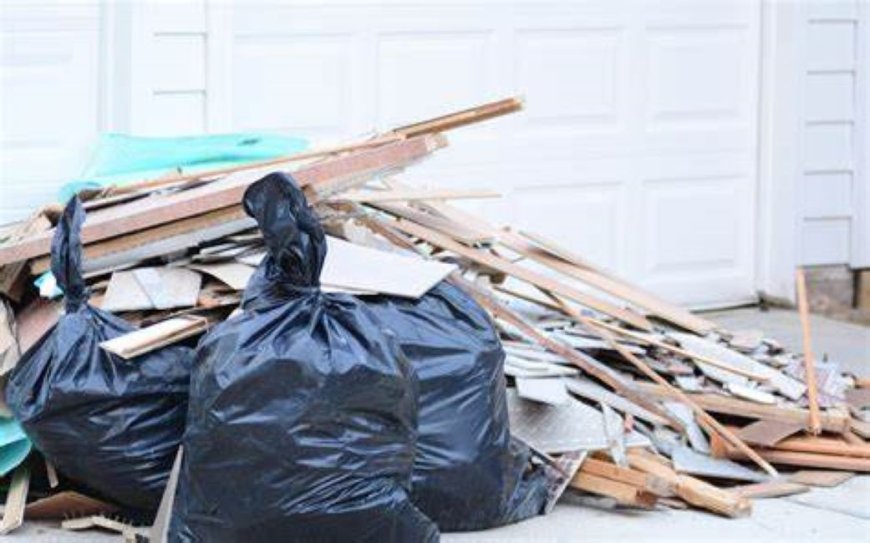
x=14, y=445
x=120, y=158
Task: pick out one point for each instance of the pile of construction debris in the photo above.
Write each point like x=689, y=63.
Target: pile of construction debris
x=634, y=400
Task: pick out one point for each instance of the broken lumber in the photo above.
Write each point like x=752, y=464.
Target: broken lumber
x=712, y=425
x=497, y=263
x=825, y=461
x=623, y=493
x=831, y=420
x=692, y=490
x=645, y=481
x=321, y=177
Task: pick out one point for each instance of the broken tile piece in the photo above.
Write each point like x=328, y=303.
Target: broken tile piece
x=545, y=390
x=688, y=461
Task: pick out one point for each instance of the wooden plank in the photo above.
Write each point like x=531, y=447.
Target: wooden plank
x=462, y=118
x=827, y=479
x=664, y=310
x=639, y=479
x=815, y=425
x=407, y=195
x=824, y=445
x=623, y=493
x=831, y=420
x=460, y=232
x=158, y=335
x=497, y=263
x=770, y=489
x=12, y=276
x=767, y=432
x=16, y=500
x=321, y=176
x=163, y=239
x=825, y=461
x=692, y=490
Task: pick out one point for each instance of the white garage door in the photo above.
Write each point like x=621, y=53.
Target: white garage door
x=637, y=147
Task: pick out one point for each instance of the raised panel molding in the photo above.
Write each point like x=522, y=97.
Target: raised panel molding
x=571, y=76
x=298, y=84
x=421, y=74
x=696, y=74
x=691, y=225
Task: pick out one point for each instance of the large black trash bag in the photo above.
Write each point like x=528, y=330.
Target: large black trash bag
x=110, y=424
x=302, y=415
x=469, y=474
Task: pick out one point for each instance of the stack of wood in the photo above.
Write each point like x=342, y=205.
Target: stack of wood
x=637, y=401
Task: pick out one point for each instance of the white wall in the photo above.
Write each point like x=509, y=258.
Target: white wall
x=832, y=180
x=49, y=99
x=639, y=146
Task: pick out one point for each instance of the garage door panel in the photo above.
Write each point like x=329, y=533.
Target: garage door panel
x=590, y=216
x=570, y=77
x=293, y=82
x=636, y=147
x=424, y=74
x=696, y=75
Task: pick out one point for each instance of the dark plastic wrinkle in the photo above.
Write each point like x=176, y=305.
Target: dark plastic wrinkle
x=109, y=424
x=303, y=412
x=469, y=474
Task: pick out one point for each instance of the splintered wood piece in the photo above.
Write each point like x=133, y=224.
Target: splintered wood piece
x=692, y=490
x=505, y=266
x=623, y=493
x=639, y=479
x=768, y=433
x=815, y=425
x=821, y=478
x=770, y=489
x=16, y=500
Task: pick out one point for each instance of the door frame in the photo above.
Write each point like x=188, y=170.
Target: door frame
x=783, y=44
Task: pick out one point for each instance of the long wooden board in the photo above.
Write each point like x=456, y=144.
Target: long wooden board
x=831, y=420
x=665, y=311
x=497, y=263
x=141, y=214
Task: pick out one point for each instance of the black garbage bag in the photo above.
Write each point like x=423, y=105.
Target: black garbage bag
x=302, y=415
x=469, y=474
x=110, y=424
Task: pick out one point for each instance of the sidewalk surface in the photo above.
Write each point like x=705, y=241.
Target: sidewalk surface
x=823, y=514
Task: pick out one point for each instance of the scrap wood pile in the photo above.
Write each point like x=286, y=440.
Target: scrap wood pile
x=619, y=396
